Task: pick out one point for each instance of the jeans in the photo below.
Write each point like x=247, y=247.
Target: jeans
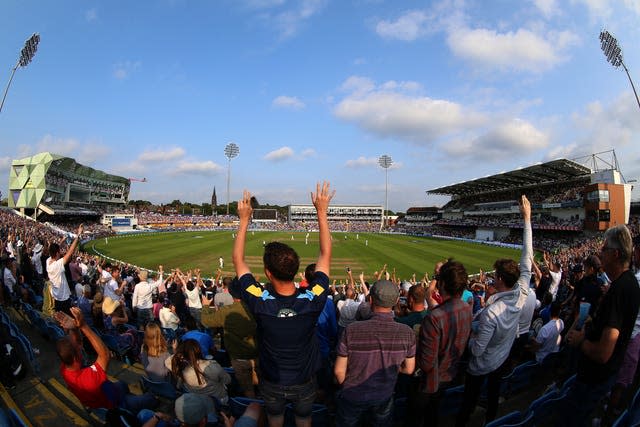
x=581, y=401
x=472, y=388
x=144, y=315
x=349, y=413
x=275, y=398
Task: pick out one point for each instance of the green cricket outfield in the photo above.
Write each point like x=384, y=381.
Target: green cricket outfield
x=364, y=252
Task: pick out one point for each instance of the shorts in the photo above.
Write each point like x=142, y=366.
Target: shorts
x=276, y=396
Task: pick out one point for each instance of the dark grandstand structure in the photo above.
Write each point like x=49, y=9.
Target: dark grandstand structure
x=566, y=196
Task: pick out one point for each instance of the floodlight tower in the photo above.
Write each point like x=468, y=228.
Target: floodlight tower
x=230, y=151
x=613, y=52
x=385, y=162
x=26, y=55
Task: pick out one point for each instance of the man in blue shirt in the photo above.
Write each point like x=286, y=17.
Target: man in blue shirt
x=285, y=315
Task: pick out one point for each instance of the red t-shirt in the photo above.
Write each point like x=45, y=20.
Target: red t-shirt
x=86, y=385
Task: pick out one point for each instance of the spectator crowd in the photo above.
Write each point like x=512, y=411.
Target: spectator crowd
x=294, y=338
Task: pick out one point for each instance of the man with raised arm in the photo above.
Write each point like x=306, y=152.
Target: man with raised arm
x=286, y=316
x=55, y=269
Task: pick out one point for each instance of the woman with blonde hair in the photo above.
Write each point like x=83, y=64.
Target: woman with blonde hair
x=154, y=353
x=197, y=375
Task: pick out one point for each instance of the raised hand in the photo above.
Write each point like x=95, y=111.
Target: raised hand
x=322, y=196
x=244, y=206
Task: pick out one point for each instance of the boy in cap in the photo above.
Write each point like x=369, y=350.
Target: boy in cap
x=371, y=353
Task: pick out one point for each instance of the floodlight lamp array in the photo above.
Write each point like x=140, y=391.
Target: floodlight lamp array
x=231, y=150
x=29, y=50
x=611, y=49
x=385, y=161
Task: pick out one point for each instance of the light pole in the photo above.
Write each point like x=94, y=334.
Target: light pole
x=385, y=161
x=231, y=151
x=26, y=55
x=613, y=52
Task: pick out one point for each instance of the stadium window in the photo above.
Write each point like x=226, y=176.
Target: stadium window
x=604, y=215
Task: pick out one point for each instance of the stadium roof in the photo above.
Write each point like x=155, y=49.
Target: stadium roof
x=543, y=173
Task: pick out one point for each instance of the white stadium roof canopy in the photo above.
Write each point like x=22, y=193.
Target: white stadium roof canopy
x=543, y=173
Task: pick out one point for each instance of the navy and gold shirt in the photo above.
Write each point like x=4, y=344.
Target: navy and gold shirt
x=287, y=342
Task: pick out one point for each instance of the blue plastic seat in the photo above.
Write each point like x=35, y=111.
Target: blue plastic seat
x=159, y=388
x=520, y=378
x=545, y=409
x=239, y=404
x=510, y=418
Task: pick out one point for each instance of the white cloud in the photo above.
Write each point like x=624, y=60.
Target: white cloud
x=279, y=154
x=206, y=167
x=598, y=9
x=548, y=8
x=123, y=70
x=602, y=127
x=289, y=22
x=407, y=27
x=391, y=110
x=91, y=15
x=264, y=4
x=5, y=163
x=87, y=153
x=161, y=155
x=520, y=50
x=309, y=152
x=290, y=102
x=514, y=138
x=362, y=162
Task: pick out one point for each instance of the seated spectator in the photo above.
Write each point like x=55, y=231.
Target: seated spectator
x=197, y=375
x=548, y=339
x=154, y=353
x=205, y=341
x=85, y=304
x=90, y=384
x=168, y=317
x=115, y=318
x=196, y=410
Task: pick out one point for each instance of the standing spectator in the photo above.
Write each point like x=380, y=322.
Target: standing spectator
x=222, y=297
x=286, y=316
x=555, y=271
x=442, y=341
x=239, y=338
x=36, y=260
x=498, y=326
x=142, y=300
x=415, y=305
x=192, y=292
x=603, y=341
x=371, y=353
x=55, y=269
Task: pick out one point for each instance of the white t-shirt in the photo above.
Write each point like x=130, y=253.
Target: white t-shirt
x=193, y=297
x=549, y=338
x=110, y=290
x=555, y=282
x=59, y=285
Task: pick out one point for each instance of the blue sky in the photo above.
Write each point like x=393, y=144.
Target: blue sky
x=317, y=89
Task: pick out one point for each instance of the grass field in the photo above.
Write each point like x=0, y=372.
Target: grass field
x=368, y=252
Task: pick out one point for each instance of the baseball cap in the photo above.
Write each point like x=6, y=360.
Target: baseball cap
x=384, y=293
x=191, y=408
